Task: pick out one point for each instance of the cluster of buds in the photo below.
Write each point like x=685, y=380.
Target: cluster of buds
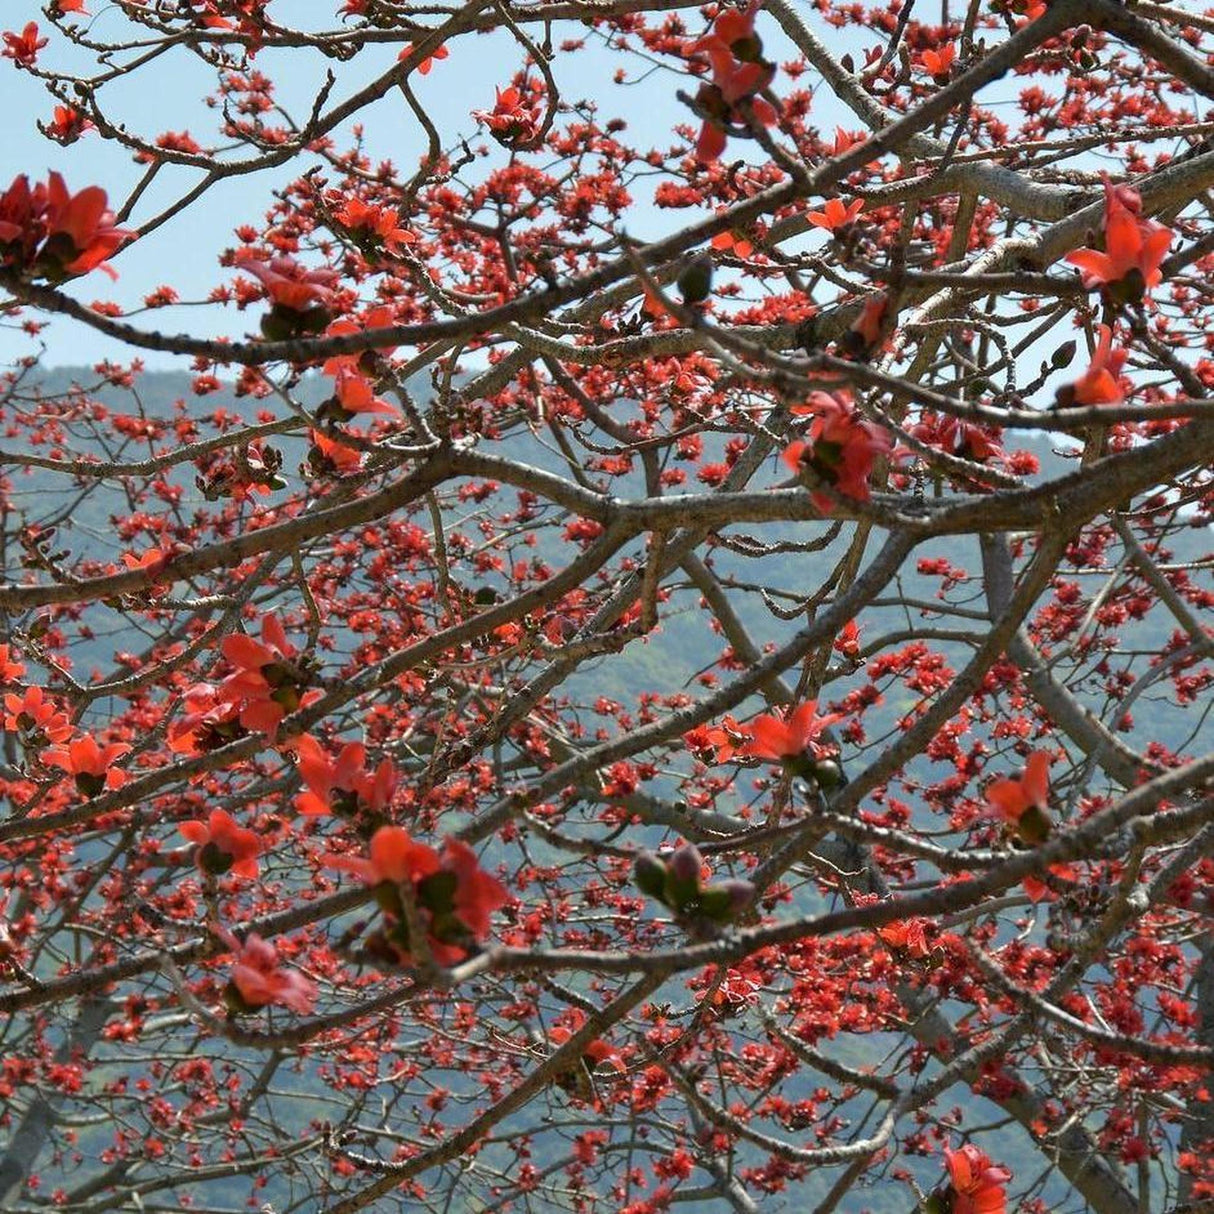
x=678, y=882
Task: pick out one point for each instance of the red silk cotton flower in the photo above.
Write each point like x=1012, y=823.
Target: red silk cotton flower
x=739, y=73
x=258, y=979
x=977, y=1184
x=223, y=846
x=46, y=231
x=1099, y=384
x=91, y=766
x=454, y=897
x=1134, y=248
x=1023, y=803
x=841, y=450
x=780, y=738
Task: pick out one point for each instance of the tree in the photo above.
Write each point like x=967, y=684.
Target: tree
x=676, y=671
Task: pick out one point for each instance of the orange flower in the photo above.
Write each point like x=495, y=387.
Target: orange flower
x=453, y=895
x=781, y=738
x=268, y=682
x=223, y=846
x=835, y=216
x=1134, y=248
x=939, y=63
x=90, y=764
x=382, y=223
x=341, y=785
x=10, y=668
x=329, y=457
x=977, y=1183
x=1023, y=803
x=23, y=48
x=288, y=284
x=1099, y=383
x=37, y=717
x=258, y=979
x=906, y=935
x=80, y=232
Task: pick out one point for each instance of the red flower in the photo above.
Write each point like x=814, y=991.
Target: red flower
x=778, y=738
x=68, y=124
x=1023, y=803
x=732, y=242
x=35, y=716
x=424, y=67
x=453, y=895
x=329, y=456
x=516, y=117
x=728, y=738
x=383, y=223
x=739, y=72
x=289, y=284
x=394, y=856
x=841, y=450
x=223, y=846
x=977, y=1183
x=939, y=63
x=23, y=48
x=259, y=979
x=1134, y=248
x=10, y=668
x=597, y=1052
x=80, y=232
x=836, y=215
x=341, y=785
x=1099, y=383
x=907, y=935
x=91, y=765
x=958, y=438
x=208, y=722
x=268, y=682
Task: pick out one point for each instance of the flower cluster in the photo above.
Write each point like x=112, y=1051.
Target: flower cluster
x=48, y=232
x=739, y=75
x=223, y=845
x=452, y=896
x=840, y=450
x=270, y=678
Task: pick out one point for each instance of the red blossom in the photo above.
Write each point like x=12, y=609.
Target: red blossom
x=1134, y=248
x=1099, y=384
x=289, y=284
x=223, y=845
x=439, y=52
x=91, y=765
x=35, y=716
x=1023, y=803
x=977, y=1184
x=787, y=737
x=841, y=449
x=259, y=979
x=23, y=48
x=836, y=214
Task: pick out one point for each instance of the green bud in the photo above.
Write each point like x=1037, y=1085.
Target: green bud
x=649, y=873
x=1063, y=356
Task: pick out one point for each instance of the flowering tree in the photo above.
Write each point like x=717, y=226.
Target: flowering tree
x=678, y=677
